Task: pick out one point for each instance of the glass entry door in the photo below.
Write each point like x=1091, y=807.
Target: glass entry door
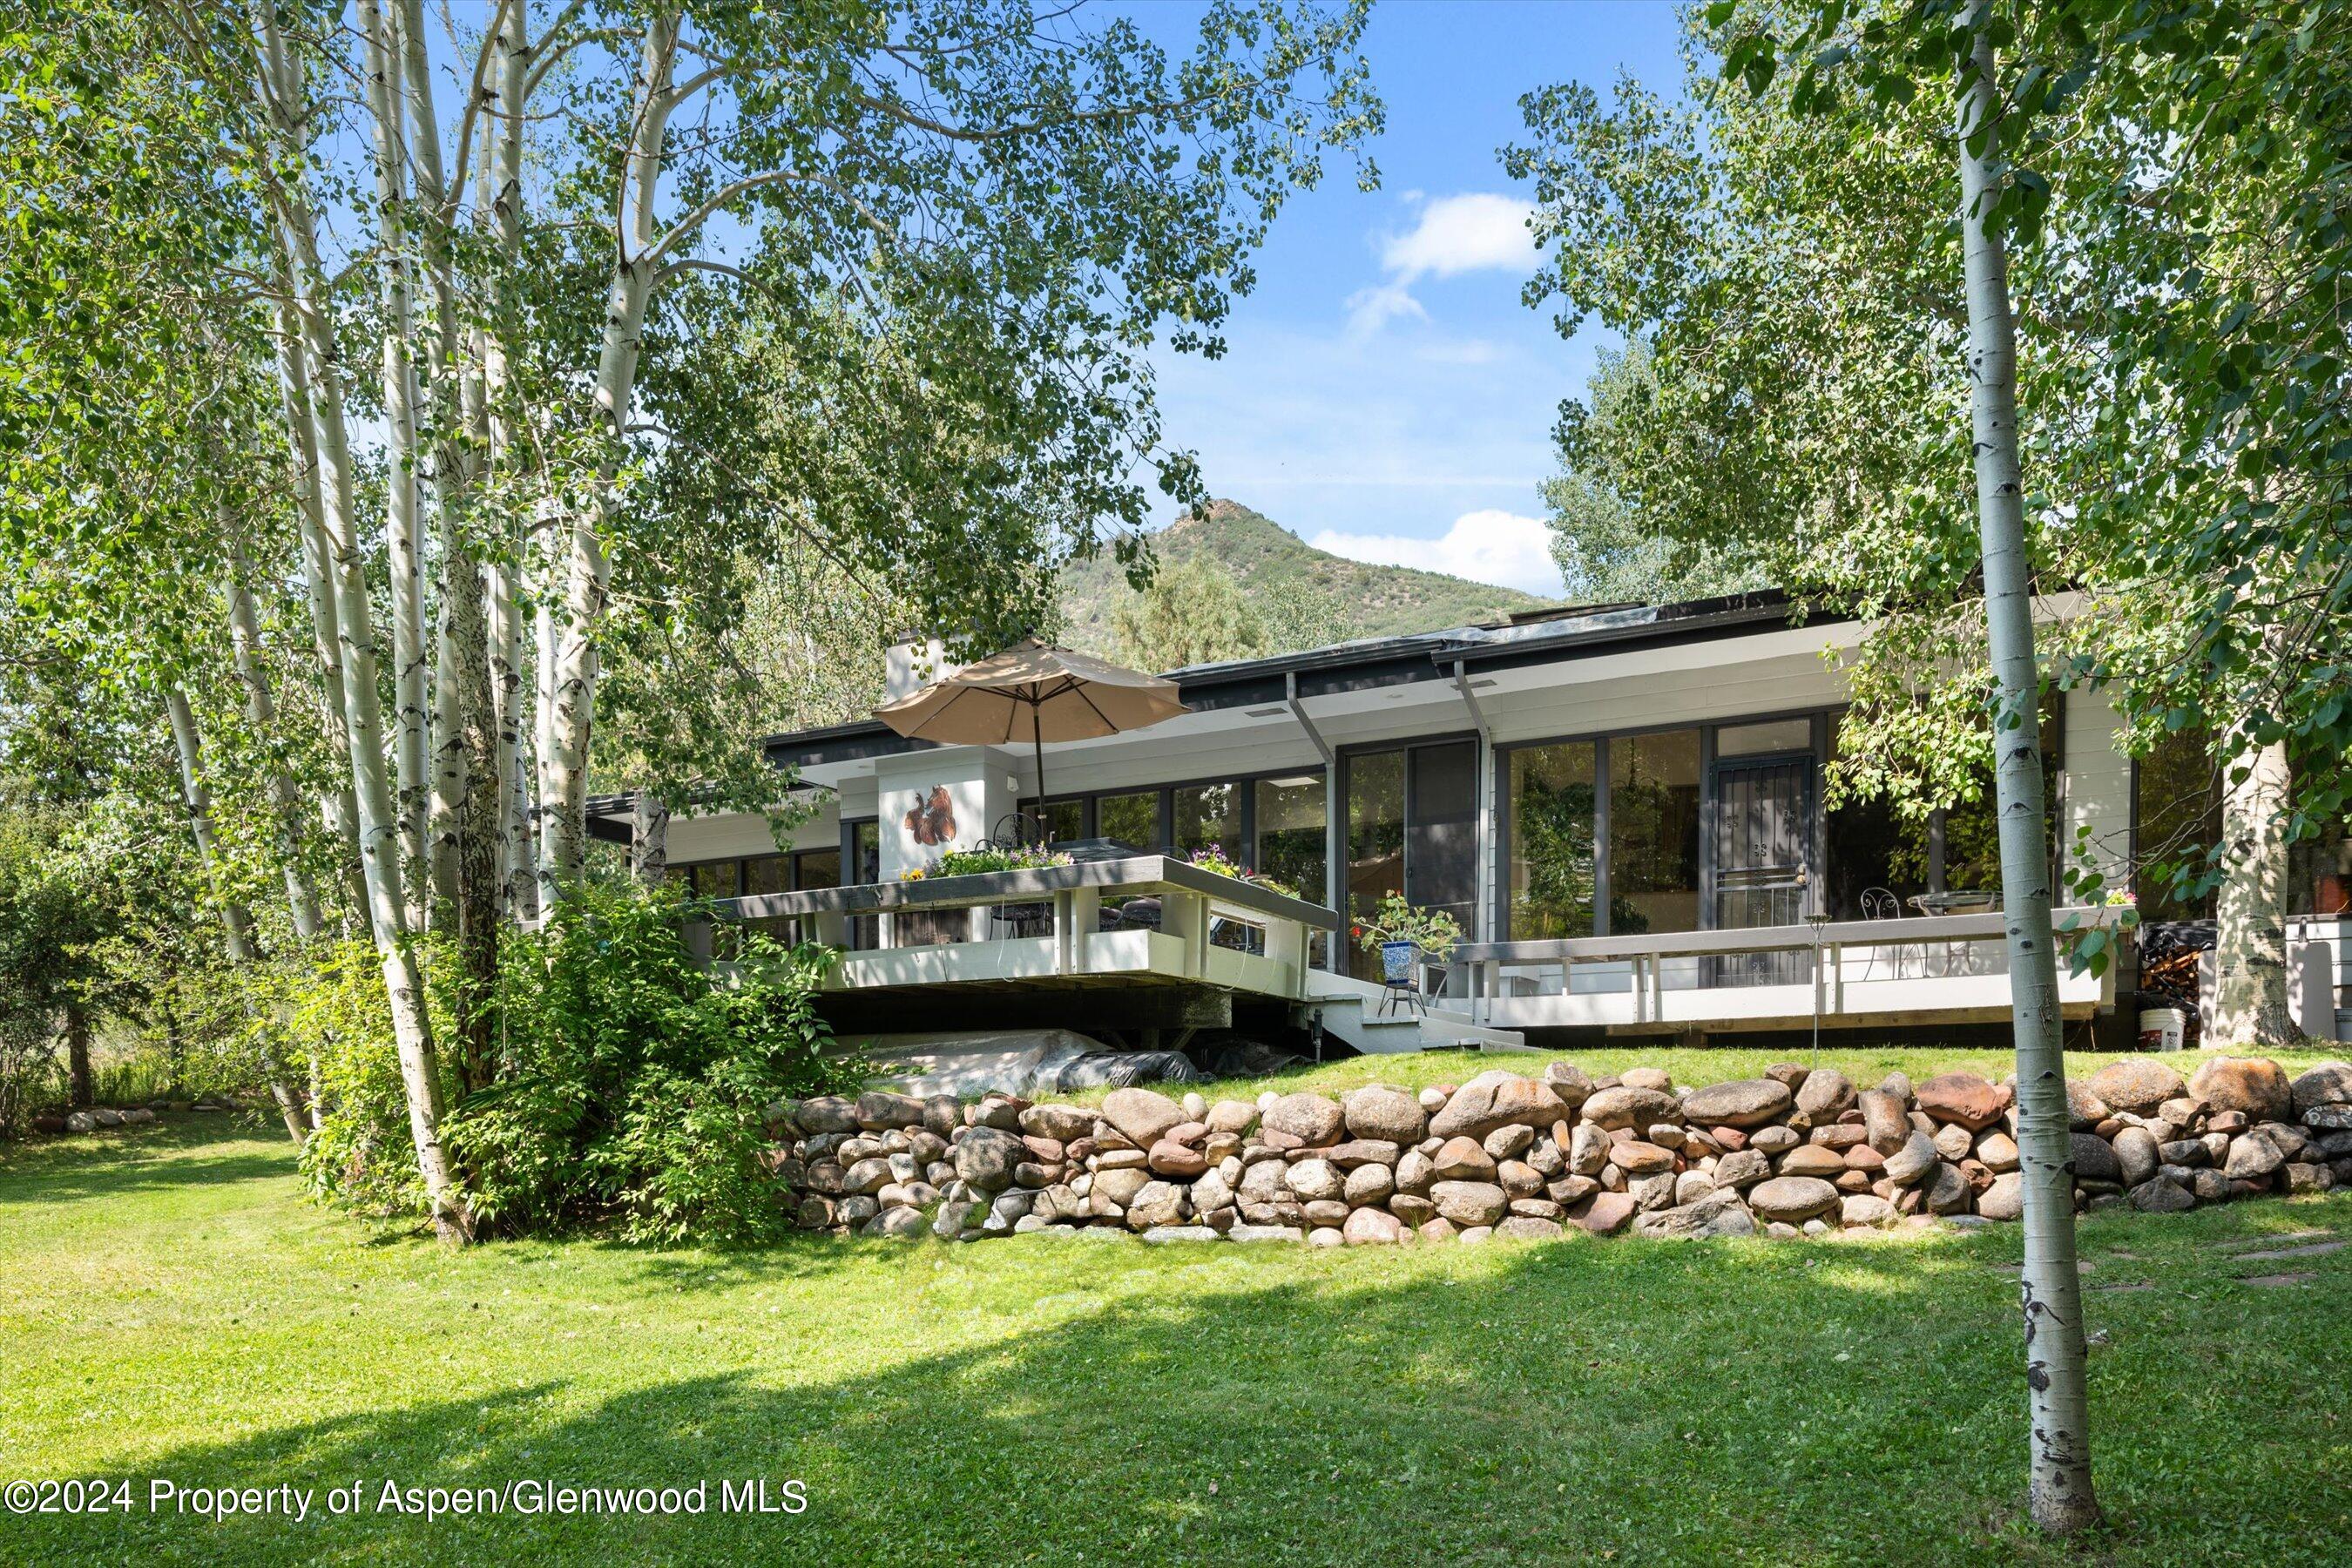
x=1413, y=829
x=1763, y=861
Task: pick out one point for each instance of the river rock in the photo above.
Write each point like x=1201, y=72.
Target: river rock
x=1742, y=1169
x=1716, y=1213
x=1742, y=1103
x=1639, y=1159
x=2159, y=1195
x=1462, y=1159
x=2095, y=1159
x=1160, y=1202
x=2329, y=1083
x=2136, y=1155
x=879, y=1109
x=1964, y=1097
x=1883, y=1117
x=2005, y=1199
x=2255, y=1086
x=986, y=1158
x=1173, y=1160
x=1315, y=1122
x=1628, y=1105
x=827, y=1113
x=1587, y=1149
x=1496, y=1099
x=1142, y=1116
x=1569, y=1082
x=1372, y=1227
x=1470, y=1203
x=1866, y=1209
x=1825, y=1095
x=1367, y=1185
x=1389, y=1115
x=1948, y=1191
x=1316, y=1180
x=1914, y=1162
x=1792, y=1199
x=1813, y=1159
x=1062, y=1123
x=2253, y=1157
x=1606, y=1215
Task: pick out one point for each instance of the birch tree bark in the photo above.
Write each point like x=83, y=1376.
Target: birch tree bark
x=501, y=202
x=403, y=551
x=261, y=716
x=649, y=839
x=285, y=103
x=2059, y=1485
x=236, y=923
x=2251, y=1009
x=587, y=571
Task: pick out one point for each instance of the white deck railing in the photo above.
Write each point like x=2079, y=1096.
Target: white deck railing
x=1928, y=969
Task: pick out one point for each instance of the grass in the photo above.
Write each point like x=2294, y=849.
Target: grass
x=171, y=1306
x=1865, y=1065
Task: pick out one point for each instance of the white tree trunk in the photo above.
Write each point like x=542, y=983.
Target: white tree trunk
x=2250, y=1004
x=340, y=807
x=650, y=839
x=2059, y=1487
x=501, y=201
x=236, y=922
x=285, y=98
x=587, y=571
x=261, y=716
x=403, y=537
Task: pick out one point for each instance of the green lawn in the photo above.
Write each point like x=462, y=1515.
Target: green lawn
x=171, y=1306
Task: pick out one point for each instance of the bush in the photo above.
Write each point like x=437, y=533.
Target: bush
x=630, y=1085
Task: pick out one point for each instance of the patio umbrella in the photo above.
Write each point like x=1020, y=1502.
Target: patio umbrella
x=1035, y=692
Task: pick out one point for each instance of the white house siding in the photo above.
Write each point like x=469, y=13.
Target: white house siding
x=2098, y=783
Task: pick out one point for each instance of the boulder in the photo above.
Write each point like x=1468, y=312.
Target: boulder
x=827, y=1113
x=1173, y=1160
x=1509, y=1142
x=1692, y=1185
x=906, y=1224
x=1496, y=1099
x=1159, y=1203
x=1526, y=1227
x=2254, y=1086
x=1372, y=1227
x=1414, y=1210
x=1141, y=1115
x=2005, y=1199
x=2085, y=1109
x=1743, y=1169
x=1866, y=1209
x=2095, y=1159
x=1463, y=1160
x=1315, y=1122
x=1606, y=1215
x=2253, y=1157
x=1812, y=1160
x=1313, y=1180
x=2136, y=1155
x=1954, y=1142
x=1415, y=1171
x=1639, y=1159
x=1647, y=1077
x=999, y=1111
x=869, y=1175
x=1470, y=1203
x=1742, y=1103
x=1774, y=1140
x=2328, y=1118
x=2161, y=1196
x=987, y=1157
x=1914, y=1162
x=1885, y=1123
x=1231, y=1116
x=1358, y=1151
x=1627, y=1105
x=1062, y=1123
x=1964, y=1097
x=2329, y=1083
x=1792, y=1199
x=1365, y=1185
x=855, y=1211
x=1389, y=1115
x=1119, y=1187
x=1716, y=1213
x=1998, y=1151
x=1948, y=1190
x=1587, y=1149
x=1569, y=1082
x=878, y=1110
x=1824, y=1096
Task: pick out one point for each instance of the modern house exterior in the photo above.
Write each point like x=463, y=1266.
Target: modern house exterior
x=1623, y=806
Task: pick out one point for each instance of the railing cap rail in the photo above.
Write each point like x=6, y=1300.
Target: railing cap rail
x=1767, y=939
x=1134, y=876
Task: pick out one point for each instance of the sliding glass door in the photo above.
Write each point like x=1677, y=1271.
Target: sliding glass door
x=1413, y=829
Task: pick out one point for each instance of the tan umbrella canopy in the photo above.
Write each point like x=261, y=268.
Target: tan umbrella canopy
x=1035, y=692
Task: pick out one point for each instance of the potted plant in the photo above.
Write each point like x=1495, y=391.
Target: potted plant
x=1406, y=935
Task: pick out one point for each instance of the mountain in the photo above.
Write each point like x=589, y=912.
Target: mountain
x=1321, y=597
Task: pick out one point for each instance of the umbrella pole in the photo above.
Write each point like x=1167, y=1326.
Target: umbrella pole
x=1037, y=745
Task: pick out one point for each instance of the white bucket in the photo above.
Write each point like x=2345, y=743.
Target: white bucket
x=2162, y=1028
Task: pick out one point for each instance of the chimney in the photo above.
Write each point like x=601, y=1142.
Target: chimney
x=913, y=662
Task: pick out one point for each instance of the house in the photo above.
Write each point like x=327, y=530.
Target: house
x=1621, y=805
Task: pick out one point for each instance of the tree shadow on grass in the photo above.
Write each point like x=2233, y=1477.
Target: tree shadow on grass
x=160, y=1155
x=1691, y=1402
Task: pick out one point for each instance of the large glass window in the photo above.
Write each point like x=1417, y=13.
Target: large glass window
x=1207, y=816
x=1375, y=843
x=1441, y=859
x=716, y=879
x=1553, y=867
x=817, y=868
x=1773, y=736
x=1292, y=831
x=766, y=874
x=1130, y=820
x=2319, y=873
x=1653, y=793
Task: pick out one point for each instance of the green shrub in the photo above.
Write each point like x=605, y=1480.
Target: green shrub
x=630, y=1086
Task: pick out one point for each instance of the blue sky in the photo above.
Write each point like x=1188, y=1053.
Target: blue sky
x=1385, y=394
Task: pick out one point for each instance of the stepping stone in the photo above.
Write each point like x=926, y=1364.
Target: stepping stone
x=2245, y=1242
x=2114, y=1289
x=2270, y=1281
x=2315, y=1250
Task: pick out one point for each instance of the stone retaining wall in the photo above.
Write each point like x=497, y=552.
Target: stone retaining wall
x=1791, y=1153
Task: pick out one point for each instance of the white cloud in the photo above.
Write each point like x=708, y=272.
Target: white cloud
x=1369, y=310
x=1474, y=232
x=1486, y=546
